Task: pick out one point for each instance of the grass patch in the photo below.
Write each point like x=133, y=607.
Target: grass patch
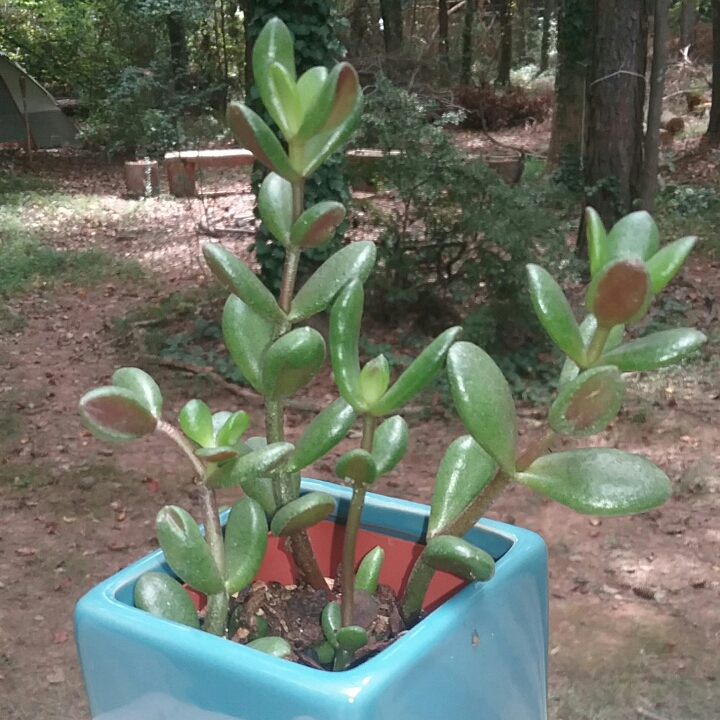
x=25, y=263
x=13, y=186
x=690, y=210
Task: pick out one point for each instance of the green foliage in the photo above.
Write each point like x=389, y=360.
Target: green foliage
x=25, y=263
x=683, y=209
x=460, y=236
x=314, y=25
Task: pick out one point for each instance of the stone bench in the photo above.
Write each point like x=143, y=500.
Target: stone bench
x=181, y=167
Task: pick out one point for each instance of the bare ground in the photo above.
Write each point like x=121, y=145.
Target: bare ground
x=635, y=602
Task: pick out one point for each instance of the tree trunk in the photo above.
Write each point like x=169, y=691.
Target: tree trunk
x=392, y=17
x=574, y=48
x=443, y=24
x=178, y=49
x=648, y=182
x=615, y=107
x=712, y=136
x=505, y=42
x=688, y=18
x=522, y=30
x=545, y=41
x=466, y=62
x=249, y=11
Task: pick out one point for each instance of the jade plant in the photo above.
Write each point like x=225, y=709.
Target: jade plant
x=278, y=355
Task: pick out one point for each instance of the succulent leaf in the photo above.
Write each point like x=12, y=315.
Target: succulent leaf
x=654, y=351
x=197, y=423
x=275, y=206
x=620, y=293
x=357, y=465
x=246, y=336
x=368, y=573
x=317, y=224
x=464, y=471
x=345, y=319
x=292, y=361
x=115, y=414
x=144, y=388
x=326, y=430
x=163, y=596
x=253, y=465
x=246, y=537
x=353, y=261
x=459, y=557
x=331, y=621
x=635, y=235
x=588, y=403
x=186, y=551
x=302, y=513
x=484, y=402
x=421, y=371
x=665, y=263
x=597, y=240
x=599, y=481
x=276, y=646
x=390, y=444
x=232, y=428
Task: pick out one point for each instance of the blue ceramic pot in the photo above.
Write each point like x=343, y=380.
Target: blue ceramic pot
x=482, y=655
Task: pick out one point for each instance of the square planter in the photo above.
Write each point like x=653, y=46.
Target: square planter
x=480, y=655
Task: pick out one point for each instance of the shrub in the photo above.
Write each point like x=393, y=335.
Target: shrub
x=489, y=109
x=454, y=236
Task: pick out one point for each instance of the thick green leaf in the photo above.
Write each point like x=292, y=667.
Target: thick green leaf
x=422, y=370
x=246, y=336
x=331, y=620
x=663, y=265
x=325, y=652
x=587, y=329
x=588, y=403
x=345, y=319
x=285, y=107
x=464, y=471
x=163, y=596
x=599, y=481
x=620, y=293
x=555, y=314
x=275, y=205
x=261, y=490
x=319, y=147
x=302, y=513
x=368, y=573
x=246, y=536
x=597, y=240
x=309, y=86
x=292, y=361
x=484, y=402
x=635, y=235
x=239, y=279
x=197, y=423
x=374, y=380
x=186, y=551
x=326, y=430
x=358, y=466
x=338, y=91
x=273, y=46
x=115, y=413
x=317, y=224
x=253, y=133
x=458, y=557
x=654, y=351
x=390, y=444
x=276, y=646
x=353, y=261
x=253, y=465
x=351, y=638
x=218, y=453
x=232, y=428
x=144, y=388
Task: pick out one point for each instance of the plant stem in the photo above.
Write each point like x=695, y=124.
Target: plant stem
x=352, y=525
x=415, y=590
x=284, y=490
x=597, y=344
x=422, y=574
x=217, y=605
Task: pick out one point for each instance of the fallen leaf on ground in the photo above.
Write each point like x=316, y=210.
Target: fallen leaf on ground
x=25, y=551
x=60, y=637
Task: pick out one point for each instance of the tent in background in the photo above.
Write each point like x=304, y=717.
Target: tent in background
x=49, y=128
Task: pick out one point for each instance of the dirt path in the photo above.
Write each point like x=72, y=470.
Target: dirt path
x=635, y=606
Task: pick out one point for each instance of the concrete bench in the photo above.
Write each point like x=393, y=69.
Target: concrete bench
x=181, y=167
